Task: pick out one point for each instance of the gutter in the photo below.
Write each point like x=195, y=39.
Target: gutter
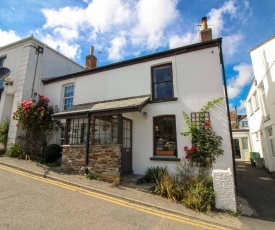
x=228, y=115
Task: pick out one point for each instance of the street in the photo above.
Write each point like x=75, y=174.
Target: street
x=32, y=202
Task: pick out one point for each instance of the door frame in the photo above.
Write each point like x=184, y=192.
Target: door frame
x=129, y=171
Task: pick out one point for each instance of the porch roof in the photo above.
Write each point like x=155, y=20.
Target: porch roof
x=116, y=106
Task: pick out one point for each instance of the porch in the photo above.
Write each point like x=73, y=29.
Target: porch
x=97, y=136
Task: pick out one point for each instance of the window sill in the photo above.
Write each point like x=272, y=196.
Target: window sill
x=164, y=158
x=163, y=100
x=256, y=109
x=267, y=118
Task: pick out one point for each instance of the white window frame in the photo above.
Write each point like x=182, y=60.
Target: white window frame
x=263, y=97
x=64, y=98
x=256, y=101
x=250, y=107
x=271, y=141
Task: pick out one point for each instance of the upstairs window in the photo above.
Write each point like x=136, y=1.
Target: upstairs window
x=1, y=65
x=162, y=82
x=244, y=123
x=68, y=97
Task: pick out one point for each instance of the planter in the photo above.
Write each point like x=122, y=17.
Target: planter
x=165, y=153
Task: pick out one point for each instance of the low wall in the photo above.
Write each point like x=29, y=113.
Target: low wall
x=73, y=157
x=224, y=187
x=105, y=161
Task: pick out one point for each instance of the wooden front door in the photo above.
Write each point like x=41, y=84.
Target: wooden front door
x=126, y=153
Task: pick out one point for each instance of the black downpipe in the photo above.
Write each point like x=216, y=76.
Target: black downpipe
x=228, y=115
x=88, y=144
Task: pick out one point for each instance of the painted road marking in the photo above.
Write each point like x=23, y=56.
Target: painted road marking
x=118, y=201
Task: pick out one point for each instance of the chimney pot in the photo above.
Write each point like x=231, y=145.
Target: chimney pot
x=204, y=23
x=205, y=33
x=92, y=49
x=91, y=59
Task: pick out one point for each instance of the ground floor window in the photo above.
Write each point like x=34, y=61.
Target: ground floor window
x=76, y=131
x=271, y=140
x=165, y=143
x=106, y=130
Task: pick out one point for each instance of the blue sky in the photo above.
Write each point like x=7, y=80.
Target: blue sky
x=124, y=29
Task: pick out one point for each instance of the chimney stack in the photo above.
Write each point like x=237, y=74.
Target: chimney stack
x=206, y=33
x=91, y=59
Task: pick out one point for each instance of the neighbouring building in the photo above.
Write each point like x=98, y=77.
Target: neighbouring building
x=29, y=60
x=240, y=133
x=260, y=102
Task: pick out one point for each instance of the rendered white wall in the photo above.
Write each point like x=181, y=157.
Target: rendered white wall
x=263, y=62
x=21, y=60
x=197, y=79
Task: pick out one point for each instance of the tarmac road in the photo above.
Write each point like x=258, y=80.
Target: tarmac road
x=31, y=202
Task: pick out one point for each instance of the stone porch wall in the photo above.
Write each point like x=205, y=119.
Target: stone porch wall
x=73, y=157
x=105, y=161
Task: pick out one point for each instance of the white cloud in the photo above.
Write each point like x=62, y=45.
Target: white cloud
x=116, y=50
x=67, y=17
x=231, y=44
x=153, y=17
x=241, y=108
x=144, y=21
x=216, y=17
x=8, y=37
x=103, y=14
x=69, y=50
x=186, y=39
x=243, y=78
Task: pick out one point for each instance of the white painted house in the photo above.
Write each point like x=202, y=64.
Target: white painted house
x=135, y=108
x=260, y=102
x=29, y=60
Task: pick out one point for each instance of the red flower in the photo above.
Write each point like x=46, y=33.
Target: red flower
x=16, y=125
x=185, y=148
x=207, y=123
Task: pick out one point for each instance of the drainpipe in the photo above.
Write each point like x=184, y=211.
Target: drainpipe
x=38, y=50
x=88, y=143
x=228, y=115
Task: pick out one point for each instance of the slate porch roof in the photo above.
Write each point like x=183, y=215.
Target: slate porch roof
x=116, y=106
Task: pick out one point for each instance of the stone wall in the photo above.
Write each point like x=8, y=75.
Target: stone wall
x=224, y=188
x=73, y=157
x=105, y=161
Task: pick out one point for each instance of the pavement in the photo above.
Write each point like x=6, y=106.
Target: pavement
x=256, y=192
x=250, y=201
x=132, y=195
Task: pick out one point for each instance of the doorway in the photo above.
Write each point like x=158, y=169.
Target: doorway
x=236, y=146
x=126, y=152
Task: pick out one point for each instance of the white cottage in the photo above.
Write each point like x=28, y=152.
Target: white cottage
x=29, y=60
x=125, y=117
x=260, y=102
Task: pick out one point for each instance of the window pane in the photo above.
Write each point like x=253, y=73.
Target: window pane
x=162, y=81
x=165, y=136
x=68, y=97
x=245, y=143
x=105, y=130
x=272, y=147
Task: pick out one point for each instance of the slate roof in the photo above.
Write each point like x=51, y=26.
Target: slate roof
x=131, y=104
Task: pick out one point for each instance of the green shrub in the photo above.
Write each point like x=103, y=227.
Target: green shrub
x=154, y=174
x=4, y=130
x=199, y=195
x=52, y=152
x=17, y=151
